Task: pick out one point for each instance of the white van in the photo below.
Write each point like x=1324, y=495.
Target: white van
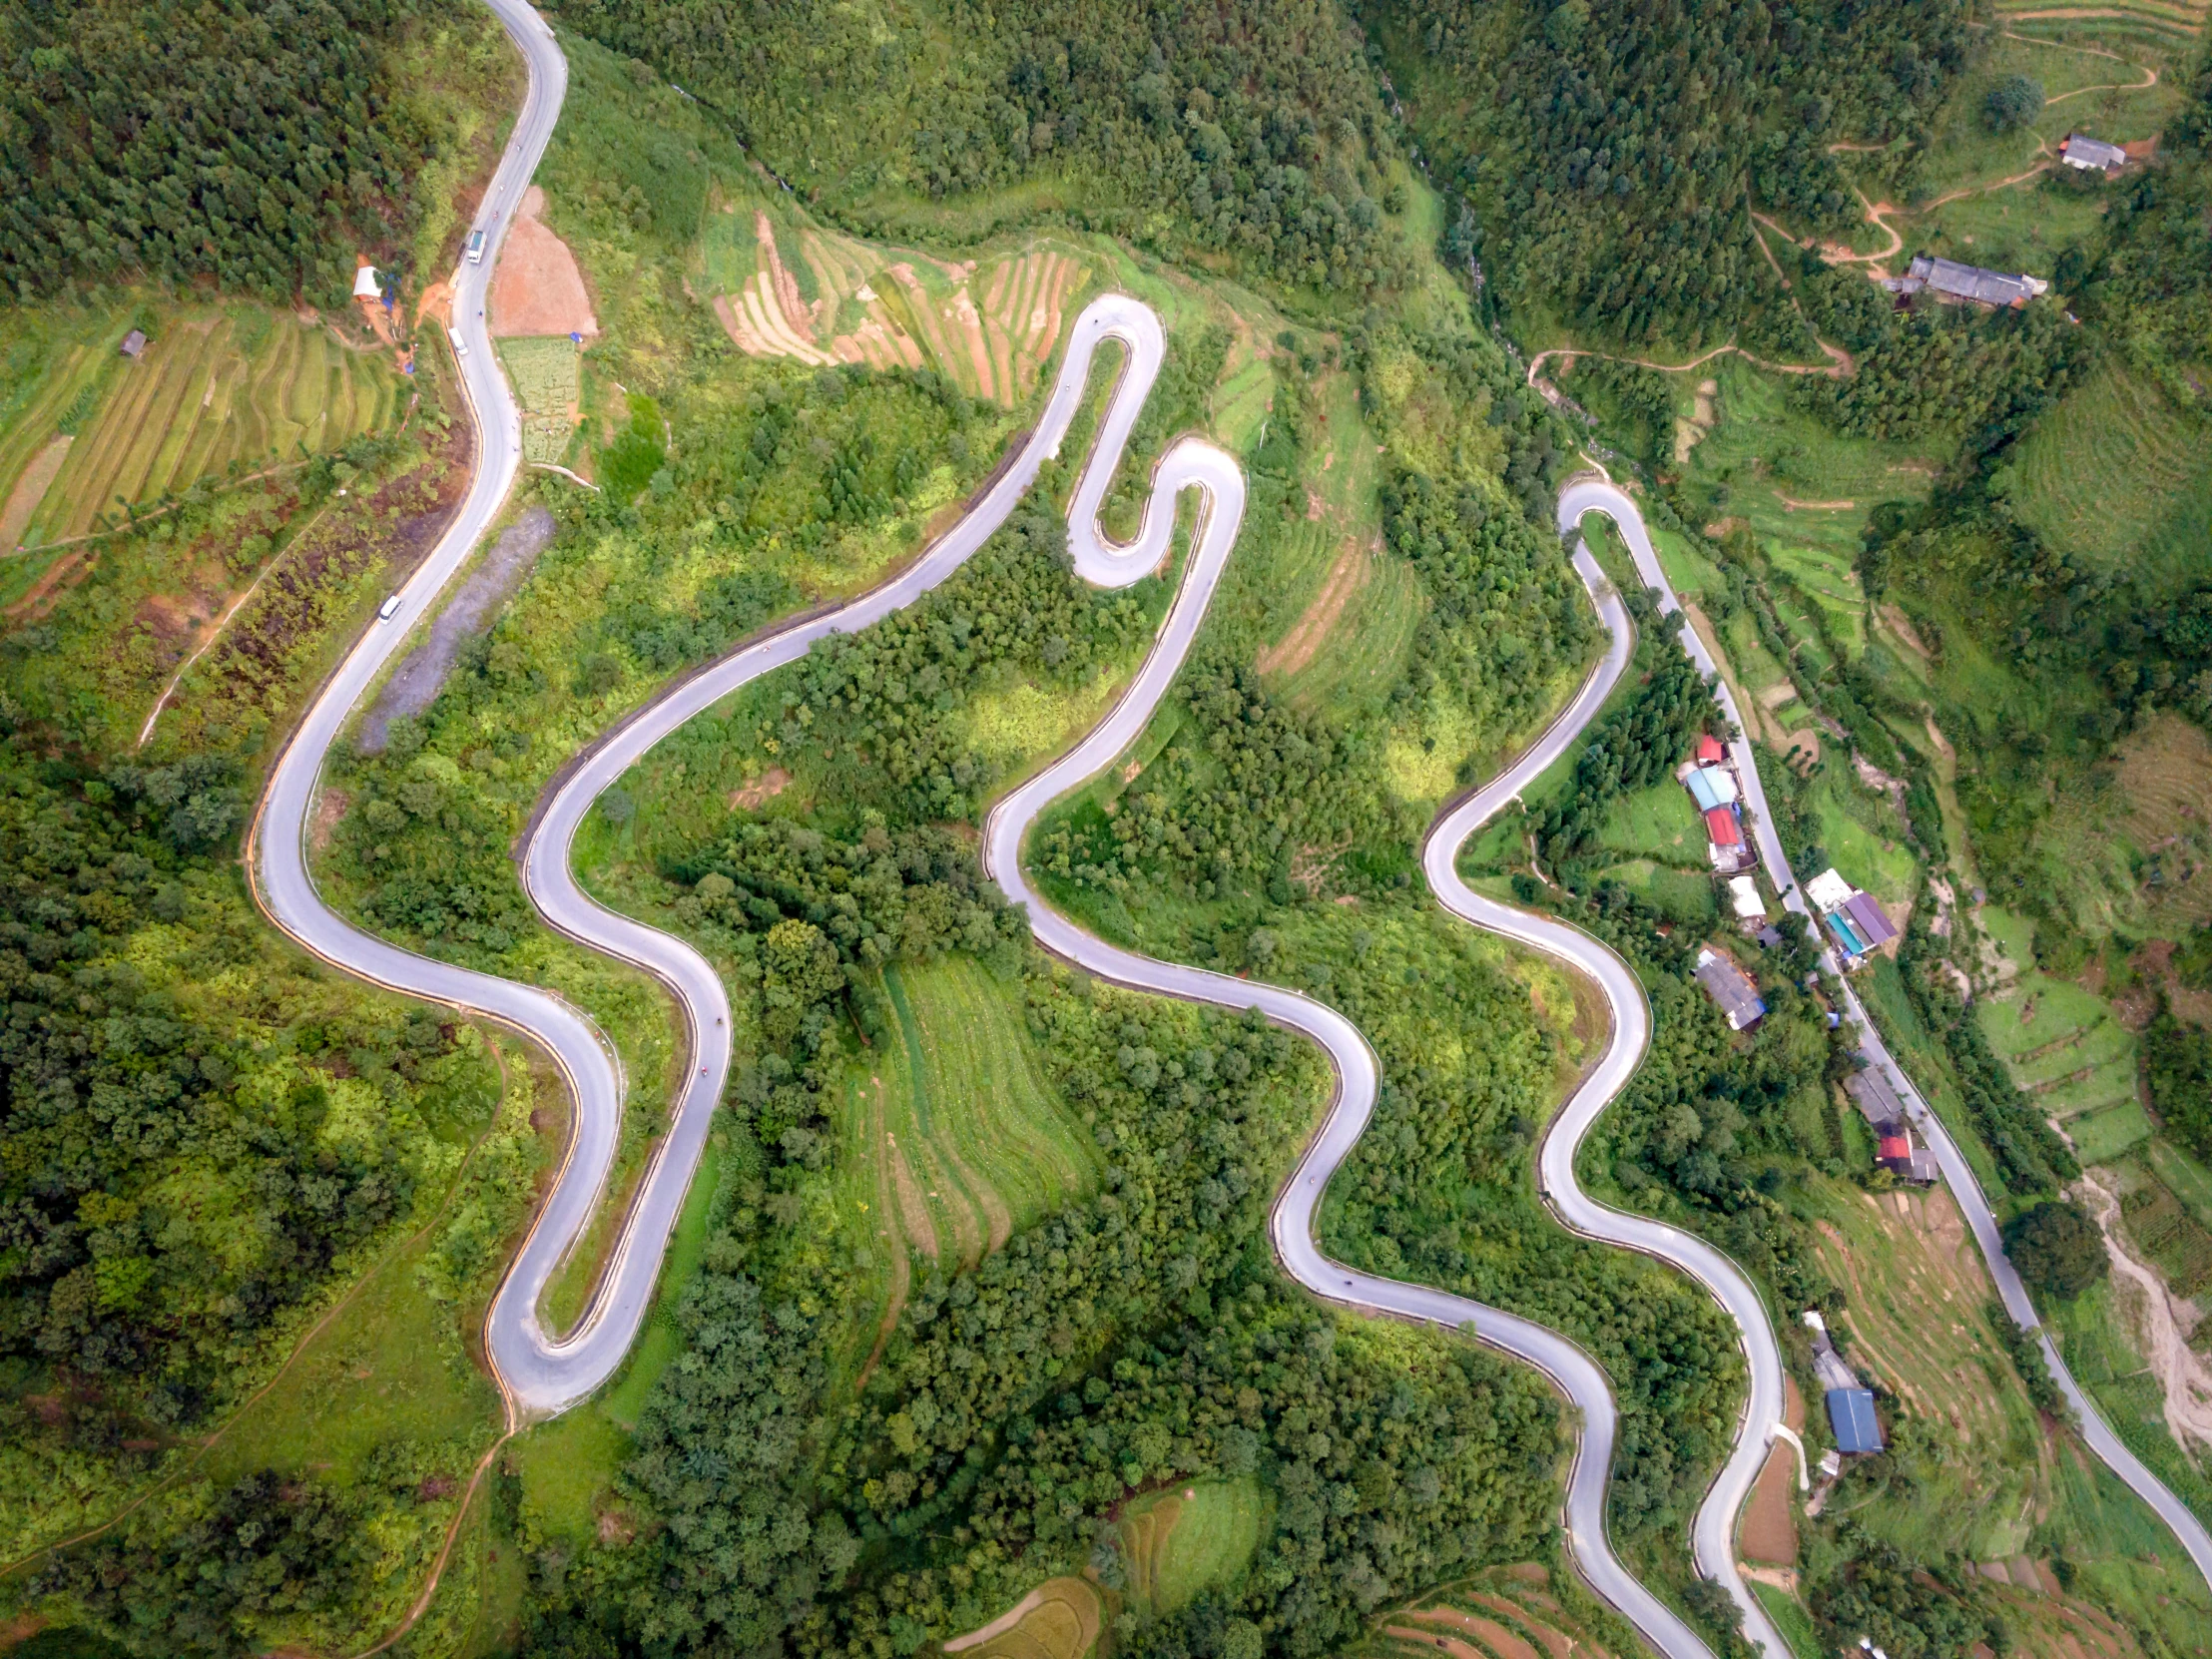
x=460, y=345
x=388, y=608
x=476, y=247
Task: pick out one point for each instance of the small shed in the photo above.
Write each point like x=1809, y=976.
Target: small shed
x=1892, y=1149
x=134, y=343
x=1709, y=751
x=2091, y=155
x=1851, y=1417
x=1720, y=828
x=1710, y=786
x=365, y=286
x=1735, y=995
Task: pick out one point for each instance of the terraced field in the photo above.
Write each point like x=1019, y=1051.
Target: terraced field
x=2062, y=1044
x=547, y=376
x=1062, y=1618
x=785, y=290
x=2119, y=474
x=2164, y=1230
x=217, y=388
x=1917, y=1294
x=2169, y=21
x=971, y=1142
x=1504, y=1613
x=1178, y=1543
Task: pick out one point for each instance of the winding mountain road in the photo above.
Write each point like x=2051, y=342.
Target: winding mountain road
x=1600, y=495
x=542, y=1373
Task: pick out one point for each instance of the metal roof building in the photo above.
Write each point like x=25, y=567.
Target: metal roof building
x=1736, y=996
x=1710, y=786
x=2091, y=155
x=1970, y=282
x=1877, y=1101
x=1720, y=828
x=1850, y=1415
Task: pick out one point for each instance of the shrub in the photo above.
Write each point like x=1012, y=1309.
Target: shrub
x=2057, y=1248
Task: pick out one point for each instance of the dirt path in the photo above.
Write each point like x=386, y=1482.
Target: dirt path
x=42, y=590
x=2092, y=51
x=2065, y=12
x=2183, y=1377
x=1792, y=504
x=1296, y=649
x=169, y=690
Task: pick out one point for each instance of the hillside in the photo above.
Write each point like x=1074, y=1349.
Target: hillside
x=969, y=1338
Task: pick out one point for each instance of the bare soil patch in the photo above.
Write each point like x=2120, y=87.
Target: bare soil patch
x=331, y=806
x=415, y=684
x=1295, y=650
x=758, y=791
x=30, y=489
x=66, y=571
x=1770, y=1529
x=537, y=288
x=914, y=1208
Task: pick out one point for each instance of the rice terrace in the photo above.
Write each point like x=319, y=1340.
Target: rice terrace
x=85, y=430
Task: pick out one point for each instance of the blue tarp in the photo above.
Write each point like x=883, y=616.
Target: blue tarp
x=1850, y=1415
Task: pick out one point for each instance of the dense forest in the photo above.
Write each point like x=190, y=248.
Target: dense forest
x=1250, y=130
x=254, y=145
x=1605, y=151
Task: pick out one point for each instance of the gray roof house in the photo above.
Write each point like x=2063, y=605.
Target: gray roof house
x=1736, y=996
x=134, y=342
x=2091, y=155
x=1877, y=1101
x=1949, y=279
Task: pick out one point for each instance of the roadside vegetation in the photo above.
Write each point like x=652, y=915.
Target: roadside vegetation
x=970, y=1314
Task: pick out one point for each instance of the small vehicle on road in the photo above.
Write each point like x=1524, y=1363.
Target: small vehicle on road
x=460, y=345
x=476, y=247
x=388, y=608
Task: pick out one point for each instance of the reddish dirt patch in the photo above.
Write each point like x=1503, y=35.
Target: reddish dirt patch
x=66, y=571
x=760, y=790
x=167, y=616
x=329, y=810
x=537, y=288
x=1296, y=649
x=1492, y=1635
x=1770, y=1531
x=436, y=303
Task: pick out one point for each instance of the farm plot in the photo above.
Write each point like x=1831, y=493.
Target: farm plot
x=1915, y=1319
x=2062, y=1044
x=217, y=389
x=547, y=374
x=2119, y=474
x=1180, y=1541
x=2164, y=1231
x=989, y=325
x=973, y=1139
x=1062, y=1618
x=1504, y=1613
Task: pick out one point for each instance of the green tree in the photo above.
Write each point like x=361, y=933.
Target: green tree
x=2012, y=103
x=2057, y=1248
